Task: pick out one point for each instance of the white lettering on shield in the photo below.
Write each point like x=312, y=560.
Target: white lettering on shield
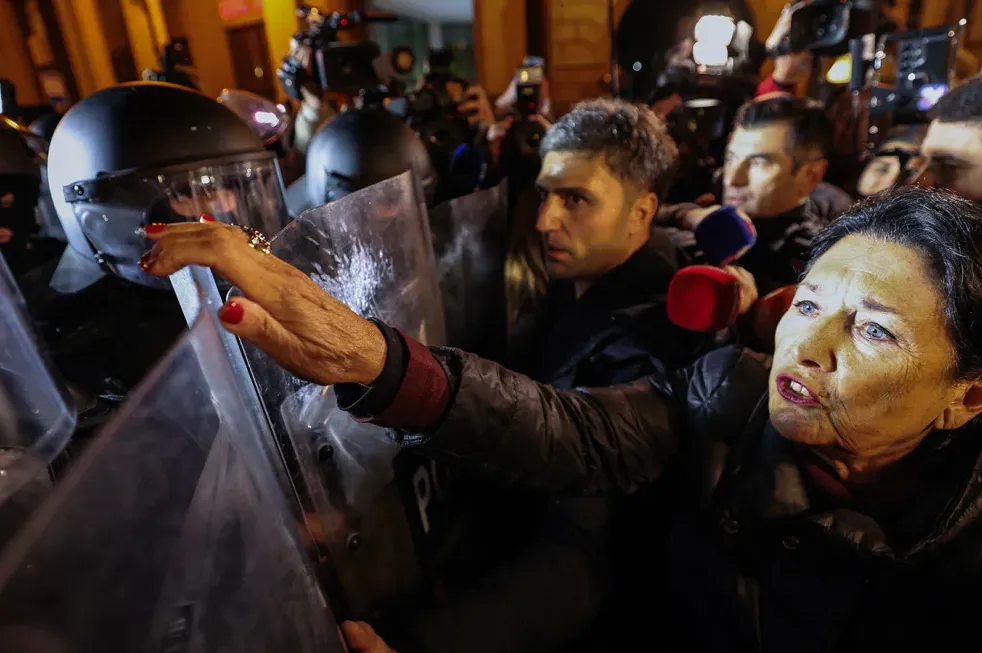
x=421, y=487
x=424, y=482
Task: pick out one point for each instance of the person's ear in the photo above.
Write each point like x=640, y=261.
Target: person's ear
x=811, y=175
x=965, y=407
x=643, y=212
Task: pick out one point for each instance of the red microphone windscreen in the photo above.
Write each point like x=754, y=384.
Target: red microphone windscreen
x=703, y=298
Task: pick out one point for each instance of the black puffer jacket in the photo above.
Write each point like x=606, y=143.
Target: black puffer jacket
x=757, y=562
x=618, y=331
x=554, y=549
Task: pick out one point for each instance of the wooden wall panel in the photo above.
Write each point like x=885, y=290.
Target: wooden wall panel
x=500, y=38
x=579, y=48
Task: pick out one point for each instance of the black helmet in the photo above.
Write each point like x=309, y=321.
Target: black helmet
x=17, y=154
x=21, y=159
x=148, y=152
x=44, y=127
x=359, y=148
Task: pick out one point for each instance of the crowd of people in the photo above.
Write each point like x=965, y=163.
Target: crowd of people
x=804, y=475
x=825, y=498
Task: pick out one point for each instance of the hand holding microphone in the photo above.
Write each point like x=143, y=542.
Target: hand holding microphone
x=707, y=298
x=704, y=298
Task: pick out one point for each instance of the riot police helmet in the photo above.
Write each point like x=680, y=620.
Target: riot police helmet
x=44, y=126
x=361, y=147
x=21, y=175
x=152, y=152
x=19, y=150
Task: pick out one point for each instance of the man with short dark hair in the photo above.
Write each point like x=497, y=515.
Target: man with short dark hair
x=953, y=144
x=776, y=156
x=605, y=167
x=775, y=160
x=606, y=164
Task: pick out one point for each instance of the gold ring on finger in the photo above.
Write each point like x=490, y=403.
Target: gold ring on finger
x=257, y=241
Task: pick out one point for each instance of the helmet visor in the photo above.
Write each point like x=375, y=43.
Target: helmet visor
x=112, y=210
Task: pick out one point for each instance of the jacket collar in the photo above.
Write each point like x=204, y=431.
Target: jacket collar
x=766, y=481
x=774, y=229
x=573, y=325
x=640, y=278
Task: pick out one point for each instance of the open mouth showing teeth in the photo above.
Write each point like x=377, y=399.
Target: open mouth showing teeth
x=799, y=389
x=794, y=391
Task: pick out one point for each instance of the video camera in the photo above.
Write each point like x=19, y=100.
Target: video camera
x=432, y=112
x=713, y=73
x=524, y=135
x=317, y=56
x=825, y=27
x=439, y=92
x=528, y=86
x=716, y=55
x=925, y=64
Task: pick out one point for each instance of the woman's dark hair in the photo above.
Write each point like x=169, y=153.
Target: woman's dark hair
x=947, y=231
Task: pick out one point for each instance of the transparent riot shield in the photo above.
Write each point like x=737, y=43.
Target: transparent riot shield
x=470, y=239
x=36, y=417
x=170, y=533
x=369, y=505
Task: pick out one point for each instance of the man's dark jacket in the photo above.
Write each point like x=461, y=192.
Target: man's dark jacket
x=759, y=560
x=616, y=332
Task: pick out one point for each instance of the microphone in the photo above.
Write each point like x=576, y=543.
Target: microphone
x=725, y=235
x=703, y=298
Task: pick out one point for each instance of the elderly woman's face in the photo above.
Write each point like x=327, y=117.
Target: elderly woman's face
x=863, y=363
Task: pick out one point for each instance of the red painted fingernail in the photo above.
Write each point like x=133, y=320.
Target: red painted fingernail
x=231, y=313
x=207, y=218
x=154, y=228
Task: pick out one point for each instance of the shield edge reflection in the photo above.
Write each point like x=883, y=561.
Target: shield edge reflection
x=197, y=289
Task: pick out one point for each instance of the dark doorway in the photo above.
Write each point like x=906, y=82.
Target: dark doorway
x=250, y=57
x=37, y=20
x=118, y=40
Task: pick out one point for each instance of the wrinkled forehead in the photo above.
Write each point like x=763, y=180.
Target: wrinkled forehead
x=772, y=138
x=863, y=268
x=961, y=140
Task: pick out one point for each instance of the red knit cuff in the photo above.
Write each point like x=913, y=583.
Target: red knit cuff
x=424, y=394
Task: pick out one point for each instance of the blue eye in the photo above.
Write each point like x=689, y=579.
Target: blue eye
x=806, y=307
x=874, y=331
